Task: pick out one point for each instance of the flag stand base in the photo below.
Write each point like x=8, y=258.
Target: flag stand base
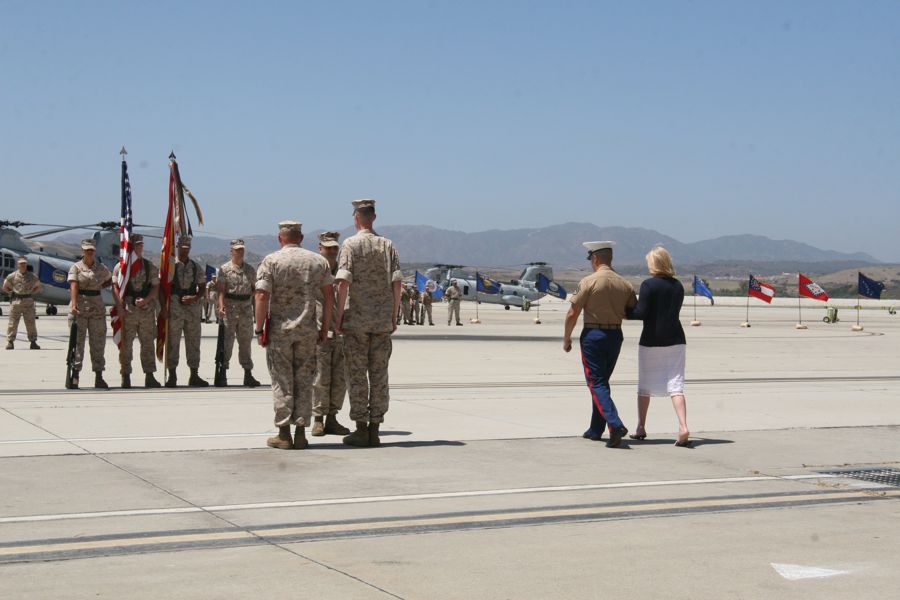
x=745, y=324
x=537, y=321
x=475, y=321
x=695, y=323
x=800, y=326
x=856, y=328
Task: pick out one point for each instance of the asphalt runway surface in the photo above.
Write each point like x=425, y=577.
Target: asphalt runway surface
x=483, y=487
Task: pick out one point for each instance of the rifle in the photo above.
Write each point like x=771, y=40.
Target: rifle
x=220, y=379
x=70, y=356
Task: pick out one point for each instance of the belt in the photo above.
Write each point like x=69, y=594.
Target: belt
x=238, y=297
x=15, y=296
x=602, y=326
x=88, y=292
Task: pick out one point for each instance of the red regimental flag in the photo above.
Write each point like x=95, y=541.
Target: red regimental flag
x=166, y=269
x=811, y=289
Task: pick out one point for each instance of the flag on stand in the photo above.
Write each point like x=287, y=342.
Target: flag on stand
x=549, y=287
x=423, y=284
x=210, y=271
x=811, y=289
x=129, y=263
x=51, y=275
x=869, y=287
x=701, y=289
x=758, y=289
x=485, y=285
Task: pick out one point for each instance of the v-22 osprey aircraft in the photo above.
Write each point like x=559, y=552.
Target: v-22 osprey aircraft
x=521, y=292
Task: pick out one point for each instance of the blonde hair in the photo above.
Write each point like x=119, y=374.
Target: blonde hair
x=659, y=262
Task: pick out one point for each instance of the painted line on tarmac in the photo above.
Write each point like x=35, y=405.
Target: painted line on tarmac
x=457, y=385
x=279, y=534
x=401, y=497
x=136, y=439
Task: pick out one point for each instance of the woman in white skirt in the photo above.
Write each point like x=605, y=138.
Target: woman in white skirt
x=661, y=351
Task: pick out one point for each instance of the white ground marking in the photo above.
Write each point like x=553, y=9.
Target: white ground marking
x=797, y=572
x=371, y=499
x=130, y=439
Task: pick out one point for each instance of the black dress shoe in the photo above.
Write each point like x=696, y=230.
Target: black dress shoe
x=615, y=437
x=590, y=434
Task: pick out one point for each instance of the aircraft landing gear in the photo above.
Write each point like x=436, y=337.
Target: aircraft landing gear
x=506, y=307
x=51, y=310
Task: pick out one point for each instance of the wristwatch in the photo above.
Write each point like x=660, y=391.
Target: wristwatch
x=260, y=332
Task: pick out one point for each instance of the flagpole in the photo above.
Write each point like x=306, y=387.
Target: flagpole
x=695, y=322
x=747, y=322
x=857, y=327
x=476, y=320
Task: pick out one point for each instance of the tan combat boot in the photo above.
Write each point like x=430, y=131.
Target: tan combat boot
x=318, y=428
x=360, y=437
x=300, y=441
x=332, y=427
x=374, y=440
x=283, y=440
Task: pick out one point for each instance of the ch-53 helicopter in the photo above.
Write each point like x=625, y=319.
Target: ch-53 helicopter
x=51, y=268
x=521, y=292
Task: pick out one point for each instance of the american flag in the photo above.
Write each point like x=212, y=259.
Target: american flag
x=129, y=263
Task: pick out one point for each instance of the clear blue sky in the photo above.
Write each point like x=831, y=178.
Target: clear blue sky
x=694, y=118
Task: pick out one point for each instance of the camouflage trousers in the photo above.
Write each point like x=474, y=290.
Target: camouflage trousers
x=404, y=306
x=426, y=310
x=91, y=322
x=239, y=323
x=291, y=358
x=138, y=323
x=183, y=319
x=331, y=378
x=368, y=355
x=453, y=309
x=417, y=313
x=22, y=308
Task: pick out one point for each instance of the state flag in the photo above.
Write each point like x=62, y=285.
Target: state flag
x=701, y=289
x=758, y=289
x=811, y=289
x=869, y=287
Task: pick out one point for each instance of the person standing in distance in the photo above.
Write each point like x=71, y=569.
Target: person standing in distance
x=20, y=286
x=331, y=371
x=234, y=293
x=86, y=278
x=369, y=285
x=605, y=297
x=289, y=281
x=184, y=317
x=453, y=296
x=138, y=309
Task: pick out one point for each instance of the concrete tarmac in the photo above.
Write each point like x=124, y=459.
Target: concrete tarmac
x=484, y=487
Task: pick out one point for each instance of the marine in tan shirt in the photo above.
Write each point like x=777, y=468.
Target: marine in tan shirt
x=604, y=297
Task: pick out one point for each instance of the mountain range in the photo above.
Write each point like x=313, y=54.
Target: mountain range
x=559, y=245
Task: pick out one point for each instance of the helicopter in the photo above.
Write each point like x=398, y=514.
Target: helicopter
x=521, y=292
x=51, y=268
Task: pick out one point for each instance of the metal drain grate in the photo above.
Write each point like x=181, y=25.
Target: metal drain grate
x=884, y=476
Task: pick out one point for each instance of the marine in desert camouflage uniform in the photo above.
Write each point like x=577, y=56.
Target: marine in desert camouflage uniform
x=138, y=309
x=288, y=283
x=370, y=284
x=20, y=286
x=86, y=279
x=234, y=292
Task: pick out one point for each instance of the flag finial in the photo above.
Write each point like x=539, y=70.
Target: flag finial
x=123, y=152
x=172, y=155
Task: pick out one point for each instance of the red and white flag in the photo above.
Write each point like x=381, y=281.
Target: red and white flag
x=758, y=289
x=129, y=263
x=811, y=289
x=167, y=263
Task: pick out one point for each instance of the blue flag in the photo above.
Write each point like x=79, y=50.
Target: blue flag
x=50, y=275
x=210, y=271
x=701, y=289
x=423, y=284
x=485, y=285
x=549, y=287
x=869, y=287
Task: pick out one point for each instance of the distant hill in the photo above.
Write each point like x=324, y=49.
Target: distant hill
x=560, y=245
